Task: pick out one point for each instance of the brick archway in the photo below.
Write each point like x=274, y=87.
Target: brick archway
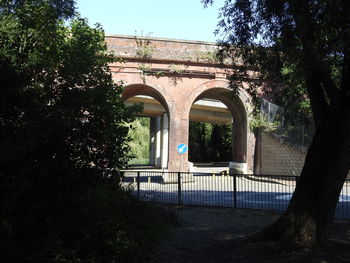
x=133, y=90
x=219, y=90
x=159, y=122
x=177, y=73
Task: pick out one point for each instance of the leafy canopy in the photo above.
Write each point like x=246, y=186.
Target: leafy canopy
x=299, y=47
x=58, y=89
x=63, y=138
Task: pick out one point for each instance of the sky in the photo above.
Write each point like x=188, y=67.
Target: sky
x=179, y=19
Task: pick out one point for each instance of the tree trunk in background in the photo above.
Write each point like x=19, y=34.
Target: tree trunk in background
x=311, y=210
x=257, y=151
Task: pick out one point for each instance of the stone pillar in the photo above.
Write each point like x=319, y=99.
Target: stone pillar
x=165, y=141
x=158, y=141
x=155, y=142
x=178, y=135
x=152, y=143
x=239, y=142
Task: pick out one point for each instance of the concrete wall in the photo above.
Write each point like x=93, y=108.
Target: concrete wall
x=280, y=158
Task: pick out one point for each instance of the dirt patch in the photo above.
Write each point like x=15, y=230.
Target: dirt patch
x=219, y=235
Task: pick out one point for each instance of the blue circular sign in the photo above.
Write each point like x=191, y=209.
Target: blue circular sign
x=182, y=148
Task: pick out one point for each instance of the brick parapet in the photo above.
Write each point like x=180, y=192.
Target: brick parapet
x=165, y=49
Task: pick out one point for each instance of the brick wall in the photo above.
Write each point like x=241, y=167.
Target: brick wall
x=280, y=158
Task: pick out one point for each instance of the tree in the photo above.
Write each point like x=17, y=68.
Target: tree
x=199, y=133
x=210, y=142
x=57, y=88
x=221, y=143
x=140, y=140
x=62, y=125
x=301, y=47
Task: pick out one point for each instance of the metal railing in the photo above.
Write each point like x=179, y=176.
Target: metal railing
x=221, y=189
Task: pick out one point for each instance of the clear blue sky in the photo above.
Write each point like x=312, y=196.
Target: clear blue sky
x=181, y=19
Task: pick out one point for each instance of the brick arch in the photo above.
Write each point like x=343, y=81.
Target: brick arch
x=133, y=90
x=219, y=90
x=205, y=87
x=159, y=125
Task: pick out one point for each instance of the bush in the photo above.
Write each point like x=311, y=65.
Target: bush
x=105, y=223
x=63, y=138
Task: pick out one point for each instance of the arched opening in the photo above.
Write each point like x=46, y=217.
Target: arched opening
x=210, y=132
x=150, y=136
x=220, y=115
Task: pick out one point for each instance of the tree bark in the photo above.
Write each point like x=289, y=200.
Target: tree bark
x=310, y=213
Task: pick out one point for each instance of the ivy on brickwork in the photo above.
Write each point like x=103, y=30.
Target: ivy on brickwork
x=177, y=69
x=144, y=48
x=144, y=68
x=145, y=51
x=209, y=56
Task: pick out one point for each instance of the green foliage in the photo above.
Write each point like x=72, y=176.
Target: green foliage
x=177, y=68
x=144, y=49
x=63, y=139
x=259, y=122
x=299, y=48
x=210, y=56
x=139, y=134
x=199, y=137
x=210, y=142
x=144, y=68
x=70, y=103
x=221, y=143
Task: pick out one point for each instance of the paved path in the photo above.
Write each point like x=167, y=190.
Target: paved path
x=210, y=235
x=206, y=234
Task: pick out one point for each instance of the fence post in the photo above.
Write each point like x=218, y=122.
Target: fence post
x=179, y=201
x=234, y=190
x=297, y=180
x=138, y=185
x=119, y=178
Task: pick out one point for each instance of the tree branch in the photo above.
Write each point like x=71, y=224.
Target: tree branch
x=328, y=84
x=345, y=81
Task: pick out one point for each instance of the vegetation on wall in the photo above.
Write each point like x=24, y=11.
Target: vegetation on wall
x=144, y=48
x=258, y=121
x=177, y=69
x=209, y=56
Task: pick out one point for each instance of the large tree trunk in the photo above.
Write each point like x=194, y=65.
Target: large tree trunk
x=310, y=213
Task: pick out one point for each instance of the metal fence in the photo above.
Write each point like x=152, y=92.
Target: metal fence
x=287, y=125
x=222, y=189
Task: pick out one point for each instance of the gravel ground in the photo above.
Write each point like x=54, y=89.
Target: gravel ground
x=218, y=235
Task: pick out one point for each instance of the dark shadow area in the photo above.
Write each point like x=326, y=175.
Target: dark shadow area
x=210, y=142
x=207, y=234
